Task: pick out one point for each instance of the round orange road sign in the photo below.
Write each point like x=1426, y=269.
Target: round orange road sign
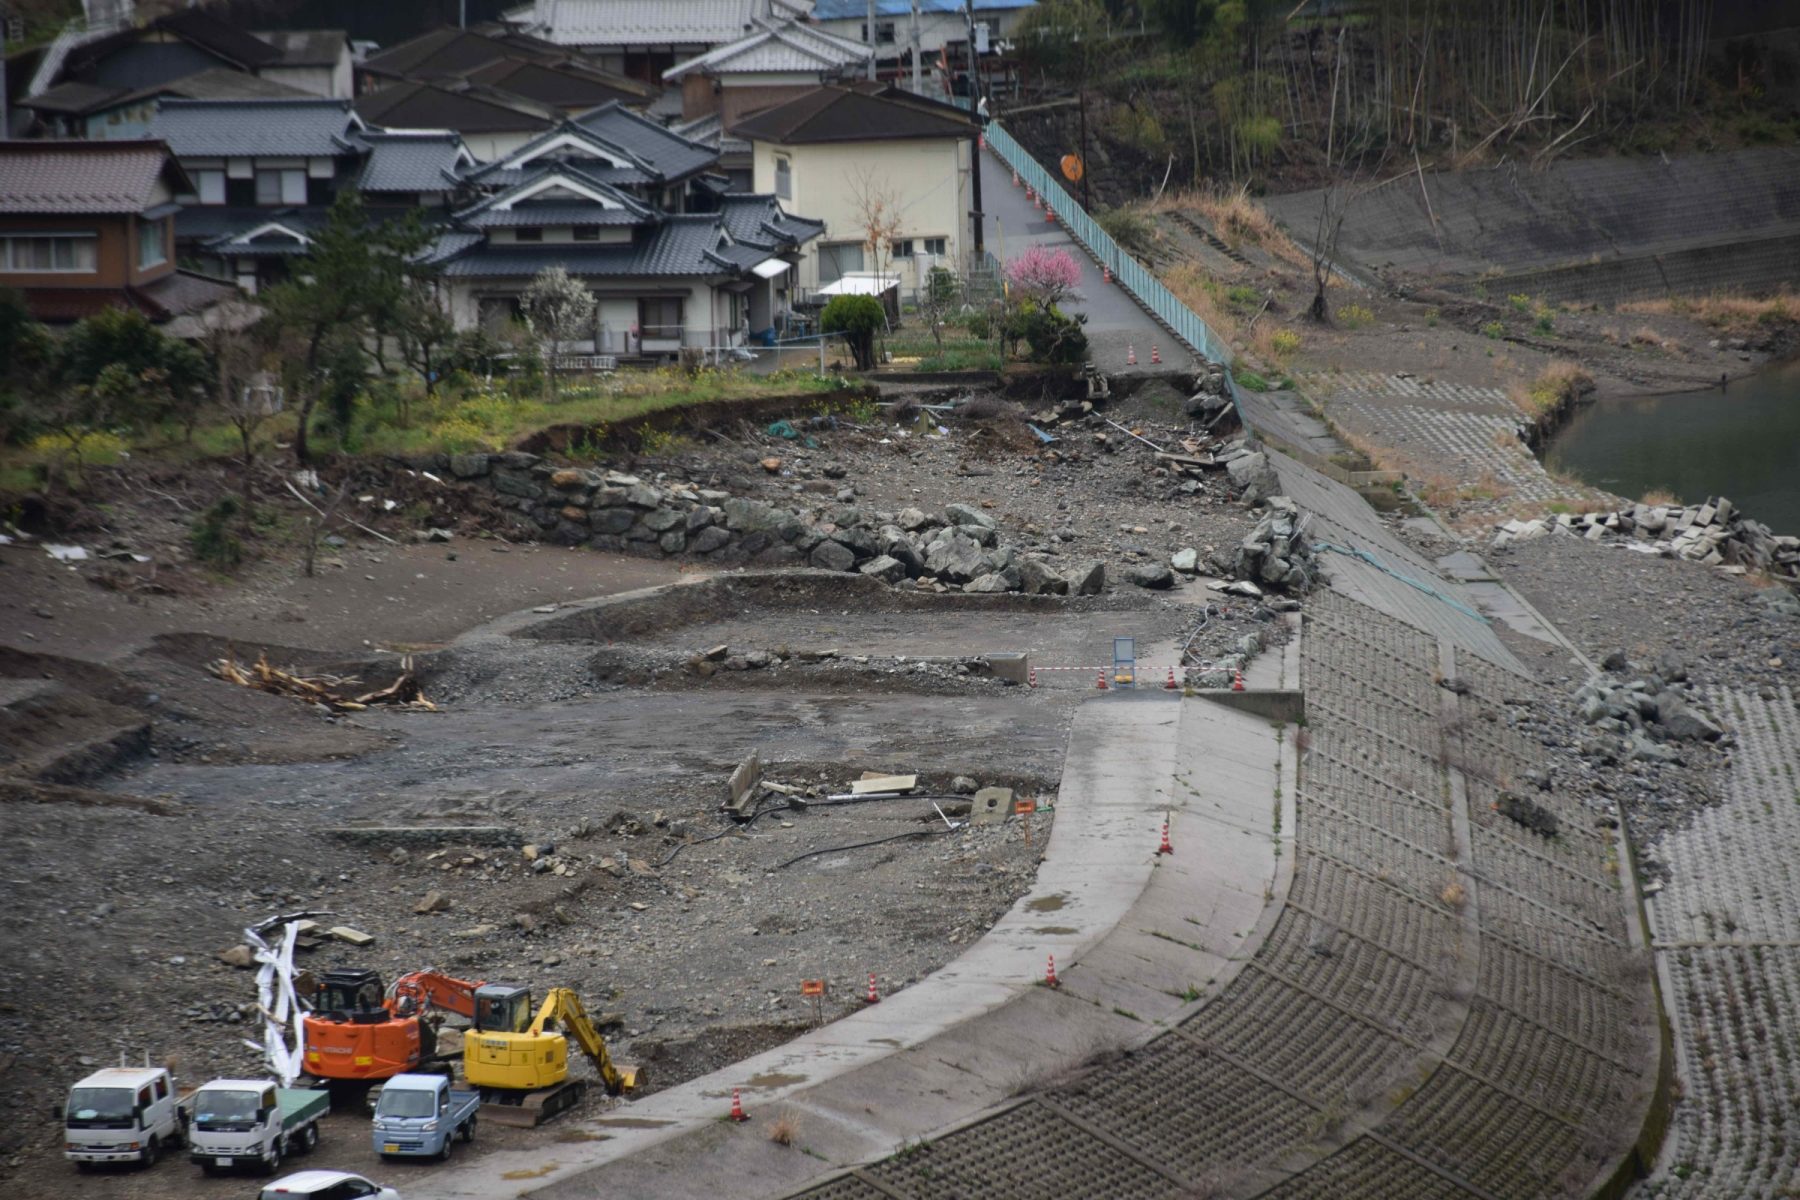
x=1072, y=169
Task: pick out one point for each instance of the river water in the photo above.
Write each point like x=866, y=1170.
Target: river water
x=1743, y=442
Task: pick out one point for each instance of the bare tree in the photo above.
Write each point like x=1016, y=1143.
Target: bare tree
x=247, y=394
x=1333, y=203
x=560, y=309
x=878, y=215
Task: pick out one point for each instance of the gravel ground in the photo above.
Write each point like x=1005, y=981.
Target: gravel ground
x=190, y=808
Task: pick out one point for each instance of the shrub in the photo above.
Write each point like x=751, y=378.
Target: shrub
x=1252, y=381
x=1285, y=342
x=1128, y=227
x=1494, y=330
x=1520, y=302
x=856, y=318
x=1052, y=336
x=213, y=538
x=1355, y=316
x=980, y=326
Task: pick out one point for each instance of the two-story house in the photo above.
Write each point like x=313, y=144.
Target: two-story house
x=87, y=225
x=844, y=153
x=643, y=38
x=263, y=174
x=505, y=64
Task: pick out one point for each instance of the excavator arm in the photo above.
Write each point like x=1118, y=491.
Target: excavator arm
x=433, y=989
x=562, y=1006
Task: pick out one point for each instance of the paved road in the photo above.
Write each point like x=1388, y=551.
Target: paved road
x=1115, y=322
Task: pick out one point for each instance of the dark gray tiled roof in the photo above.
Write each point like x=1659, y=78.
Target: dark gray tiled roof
x=496, y=175
x=669, y=154
x=210, y=223
x=404, y=162
x=758, y=218
x=529, y=215
x=682, y=246
x=308, y=128
x=573, y=174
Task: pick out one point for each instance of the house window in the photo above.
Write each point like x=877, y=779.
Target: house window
x=934, y=246
x=587, y=233
x=836, y=259
x=280, y=187
x=902, y=248
x=884, y=32
x=784, y=178
x=153, y=246
x=73, y=253
x=209, y=186
x=660, y=318
x=528, y=235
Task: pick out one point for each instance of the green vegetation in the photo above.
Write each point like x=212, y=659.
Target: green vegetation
x=1494, y=330
x=1251, y=381
x=1355, y=316
x=858, y=319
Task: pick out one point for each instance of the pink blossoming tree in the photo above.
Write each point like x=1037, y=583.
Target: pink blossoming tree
x=1046, y=276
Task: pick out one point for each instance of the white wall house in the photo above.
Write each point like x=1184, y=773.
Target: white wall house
x=838, y=150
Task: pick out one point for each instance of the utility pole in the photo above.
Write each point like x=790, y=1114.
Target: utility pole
x=916, y=42
x=869, y=36
x=977, y=110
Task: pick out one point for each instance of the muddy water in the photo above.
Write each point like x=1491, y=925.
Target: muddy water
x=1743, y=442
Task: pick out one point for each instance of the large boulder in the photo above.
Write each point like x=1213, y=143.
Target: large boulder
x=1037, y=578
x=833, y=556
x=1088, y=579
x=885, y=568
x=958, y=559
x=994, y=581
x=968, y=514
x=1154, y=576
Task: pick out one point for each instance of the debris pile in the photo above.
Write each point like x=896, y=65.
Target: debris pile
x=1646, y=714
x=1276, y=553
x=1716, y=533
x=331, y=691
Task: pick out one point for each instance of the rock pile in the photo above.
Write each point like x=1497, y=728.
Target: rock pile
x=1275, y=554
x=1649, y=712
x=1716, y=533
x=962, y=548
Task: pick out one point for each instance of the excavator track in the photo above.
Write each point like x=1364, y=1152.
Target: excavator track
x=523, y=1111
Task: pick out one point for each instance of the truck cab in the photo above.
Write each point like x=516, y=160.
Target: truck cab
x=121, y=1114
x=252, y=1122
x=421, y=1115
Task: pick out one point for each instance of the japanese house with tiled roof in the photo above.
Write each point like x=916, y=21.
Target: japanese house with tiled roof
x=90, y=225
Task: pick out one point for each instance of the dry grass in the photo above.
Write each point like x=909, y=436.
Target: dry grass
x=1454, y=895
x=1202, y=293
x=1274, y=344
x=1236, y=217
x=1723, y=309
x=1560, y=382
x=1658, y=498
x=785, y=1129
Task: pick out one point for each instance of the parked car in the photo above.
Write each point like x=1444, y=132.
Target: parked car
x=326, y=1185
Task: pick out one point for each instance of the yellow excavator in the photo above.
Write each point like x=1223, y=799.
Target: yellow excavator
x=521, y=1062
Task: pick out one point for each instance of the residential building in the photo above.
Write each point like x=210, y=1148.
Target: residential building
x=839, y=152
x=663, y=282
x=185, y=43
x=776, y=61
x=506, y=64
x=91, y=110
x=643, y=38
x=943, y=24
x=262, y=175
x=88, y=225
x=491, y=125
x=623, y=149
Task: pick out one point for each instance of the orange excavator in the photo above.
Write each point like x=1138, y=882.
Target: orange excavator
x=359, y=1033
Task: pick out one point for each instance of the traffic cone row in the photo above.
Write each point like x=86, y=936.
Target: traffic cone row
x=873, y=997
x=1165, y=848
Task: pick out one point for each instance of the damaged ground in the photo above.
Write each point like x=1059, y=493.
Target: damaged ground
x=155, y=809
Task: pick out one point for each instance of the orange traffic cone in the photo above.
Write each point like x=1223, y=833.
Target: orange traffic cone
x=1165, y=848
x=1170, y=686
x=1155, y=357
x=1100, y=681
x=1105, y=273
x=1130, y=355
x=1015, y=179
x=1050, y=979
x=737, y=1107
x=872, y=998
x=1237, y=680
x=1031, y=677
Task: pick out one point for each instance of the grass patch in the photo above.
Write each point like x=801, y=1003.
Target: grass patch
x=1251, y=381
x=1728, y=310
x=1355, y=316
x=1560, y=383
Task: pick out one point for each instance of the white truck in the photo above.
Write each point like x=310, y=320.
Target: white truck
x=121, y=1114
x=252, y=1122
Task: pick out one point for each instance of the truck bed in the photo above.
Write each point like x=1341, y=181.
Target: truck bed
x=300, y=1105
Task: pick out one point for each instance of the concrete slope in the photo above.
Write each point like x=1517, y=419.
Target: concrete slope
x=1139, y=939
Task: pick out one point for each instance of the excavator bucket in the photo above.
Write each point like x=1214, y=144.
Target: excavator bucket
x=628, y=1077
